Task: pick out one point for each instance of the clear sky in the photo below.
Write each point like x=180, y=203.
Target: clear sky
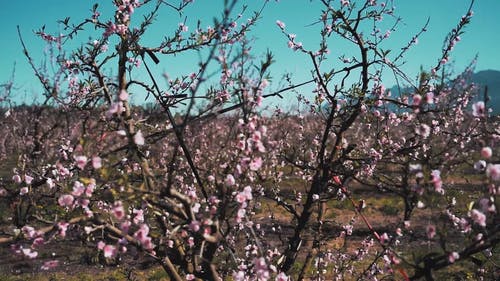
x=482, y=36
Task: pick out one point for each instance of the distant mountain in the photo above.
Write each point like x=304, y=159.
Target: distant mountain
x=485, y=78
x=490, y=79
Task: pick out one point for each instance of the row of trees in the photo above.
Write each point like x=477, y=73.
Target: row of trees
x=201, y=184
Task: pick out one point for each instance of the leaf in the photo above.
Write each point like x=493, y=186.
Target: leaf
x=327, y=76
x=104, y=172
x=470, y=205
x=265, y=64
x=86, y=181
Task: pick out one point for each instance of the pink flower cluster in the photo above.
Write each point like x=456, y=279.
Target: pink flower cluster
x=437, y=182
x=109, y=251
x=242, y=198
x=142, y=236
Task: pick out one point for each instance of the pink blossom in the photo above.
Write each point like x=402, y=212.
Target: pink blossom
x=88, y=229
x=81, y=161
x=241, y=198
x=78, y=189
x=29, y=253
x=170, y=243
x=125, y=226
x=429, y=97
x=23, y=190
x=261, y=269
x=139, y=216
x=417, y=99
x=258, y=100
x=194, y=226
x=139, y=138
x=344, y=3
x=465, y=225
x=493, y=171
x=486, y=152
x=256, y=136
x=50, y=264
x=90, y=188
x=478, y=217
x=280, y=24
x=121, y=29
x=453, y=256
x=28, y=179
x=63, y=227
x=183, y=27
x=104, y=48
x=239, y=275
x=260, y=147
x=423, y=130
x=84, y=203
x=297, y=46
x=230, y=181
x=247, y=191
x=384, y=238
x=255, y=164
x=17, y=179
x=420, y=205
x=29, y=232
x=123, y=95
x=96, y=162
x=100, y=245
x=115, y=108
x=407, y=224
x=240, y=214
x=109, y=251
x=37, y=242
x=50, y=183
x=478, y=109
x=196, y=207
x=118, y=211
x=63, y=171
x=142, y=236
x=436, y=180
x=66, y=200
x=241, y=144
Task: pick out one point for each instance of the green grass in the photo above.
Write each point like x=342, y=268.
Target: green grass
x=389, y=206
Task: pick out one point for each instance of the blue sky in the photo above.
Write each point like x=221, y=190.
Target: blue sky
x=481, y=35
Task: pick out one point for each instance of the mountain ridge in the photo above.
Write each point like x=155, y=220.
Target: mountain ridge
x=489, y=78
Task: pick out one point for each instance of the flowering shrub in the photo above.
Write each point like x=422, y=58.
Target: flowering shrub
x=220, y=189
